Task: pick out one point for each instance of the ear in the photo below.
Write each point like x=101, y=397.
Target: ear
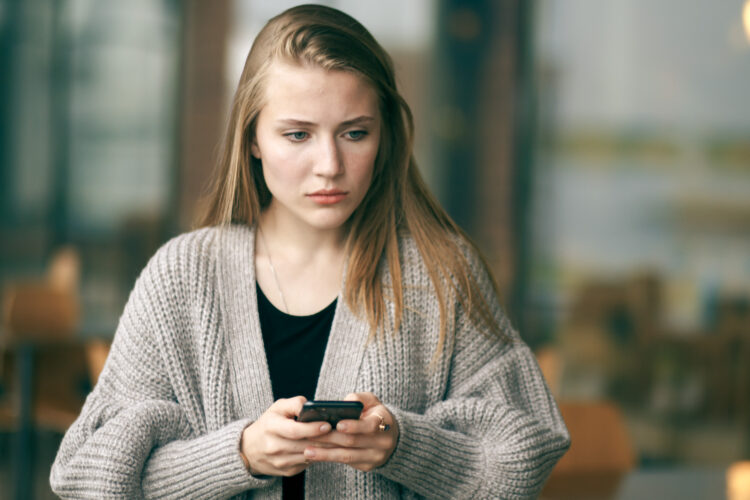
x=254, y=149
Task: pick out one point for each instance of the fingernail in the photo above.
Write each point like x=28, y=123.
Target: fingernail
x=325, y=427
x=341, y=427
x=309, y=453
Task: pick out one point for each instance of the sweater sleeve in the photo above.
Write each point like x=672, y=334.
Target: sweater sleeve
x=133, y=439
x=497, y=433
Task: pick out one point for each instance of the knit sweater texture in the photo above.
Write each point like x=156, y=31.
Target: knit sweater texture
x=187, y=372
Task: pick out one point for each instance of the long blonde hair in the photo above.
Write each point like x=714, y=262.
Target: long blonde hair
x=397, y=201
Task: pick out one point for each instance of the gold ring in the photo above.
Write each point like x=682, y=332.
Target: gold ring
x=383, y=426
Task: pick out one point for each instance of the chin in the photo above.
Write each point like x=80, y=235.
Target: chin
x=328, y=223
x=326, y=226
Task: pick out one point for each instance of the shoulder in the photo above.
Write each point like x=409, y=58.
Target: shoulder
x=455, y=249
x=203, y=244
x=186, y=258
x=467, y=286
x=453, y=261
x=186, y=249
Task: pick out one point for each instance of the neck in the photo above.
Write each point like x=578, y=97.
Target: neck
x=295, y=240
x=301, y=267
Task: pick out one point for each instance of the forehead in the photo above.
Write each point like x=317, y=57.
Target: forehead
x=302, y=89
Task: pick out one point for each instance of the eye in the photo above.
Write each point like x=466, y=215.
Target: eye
x=298, y=136
x=356, y=135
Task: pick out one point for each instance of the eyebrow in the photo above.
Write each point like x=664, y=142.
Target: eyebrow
x=303, y=123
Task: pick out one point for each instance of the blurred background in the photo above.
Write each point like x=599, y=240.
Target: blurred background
x=598, y=153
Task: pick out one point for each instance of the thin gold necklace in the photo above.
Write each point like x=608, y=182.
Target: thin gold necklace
x=273, y=270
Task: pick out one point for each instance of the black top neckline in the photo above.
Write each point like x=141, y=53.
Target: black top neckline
x=262, y=297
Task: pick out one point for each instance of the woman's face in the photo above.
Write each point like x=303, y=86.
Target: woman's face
x=317, y=137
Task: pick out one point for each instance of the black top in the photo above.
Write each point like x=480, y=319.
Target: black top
x=294, y=349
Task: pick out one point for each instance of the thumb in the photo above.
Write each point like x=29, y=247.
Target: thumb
x=289, y=407
x=368, y=399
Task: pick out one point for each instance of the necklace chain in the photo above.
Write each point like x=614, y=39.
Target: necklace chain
x=273, y=270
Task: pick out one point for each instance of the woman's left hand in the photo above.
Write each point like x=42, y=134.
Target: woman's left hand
x=364, y=444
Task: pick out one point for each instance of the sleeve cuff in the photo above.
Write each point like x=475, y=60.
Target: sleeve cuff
x=208, y=466
x=432, y=461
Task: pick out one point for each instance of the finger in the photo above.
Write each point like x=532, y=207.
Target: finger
x=292, y=461
x=288, y=407
x=341, y=440
x=335, y=439
x=366, y=425
x=291, y=429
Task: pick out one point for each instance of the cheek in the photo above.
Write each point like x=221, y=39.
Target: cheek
x=283, y=164
x=366, y=165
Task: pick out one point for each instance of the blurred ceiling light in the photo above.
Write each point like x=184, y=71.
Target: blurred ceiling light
x=746, y=19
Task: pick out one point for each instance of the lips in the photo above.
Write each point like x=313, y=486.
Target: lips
x=327, y=192
x=328, y=196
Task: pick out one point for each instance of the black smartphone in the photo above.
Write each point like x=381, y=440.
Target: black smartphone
x=330, y=411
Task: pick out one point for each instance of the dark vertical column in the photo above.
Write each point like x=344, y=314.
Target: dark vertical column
x=60, y=131
x=496, y=234
x=206, y=25
x=483, y=122
x=24, y=442
x=8, y=42
x=463, y=29
x=524, y=140
x=171, y=226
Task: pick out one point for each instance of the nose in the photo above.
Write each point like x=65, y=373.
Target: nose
x=329, y=162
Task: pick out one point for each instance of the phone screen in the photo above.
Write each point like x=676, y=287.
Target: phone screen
x=330, y=411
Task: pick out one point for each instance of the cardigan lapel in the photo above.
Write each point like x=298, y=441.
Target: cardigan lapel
x=343, y=354
x=246, y=355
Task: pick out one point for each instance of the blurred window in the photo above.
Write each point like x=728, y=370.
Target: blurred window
x=124, y=59
x=89, y=129
x=644, y=150
x=640, y=267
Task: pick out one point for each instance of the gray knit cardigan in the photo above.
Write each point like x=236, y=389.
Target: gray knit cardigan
x=187, y=372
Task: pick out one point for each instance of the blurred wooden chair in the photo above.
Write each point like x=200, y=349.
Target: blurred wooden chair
x=59, y=374
x=44, y=370
x=600, y=453
x=599, y=457
x=37, y=312
x=46, y=386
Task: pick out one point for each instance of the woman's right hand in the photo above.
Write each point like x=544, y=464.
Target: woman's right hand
x=274, y=444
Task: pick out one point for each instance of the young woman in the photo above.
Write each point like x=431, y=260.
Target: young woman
x=324, y=269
